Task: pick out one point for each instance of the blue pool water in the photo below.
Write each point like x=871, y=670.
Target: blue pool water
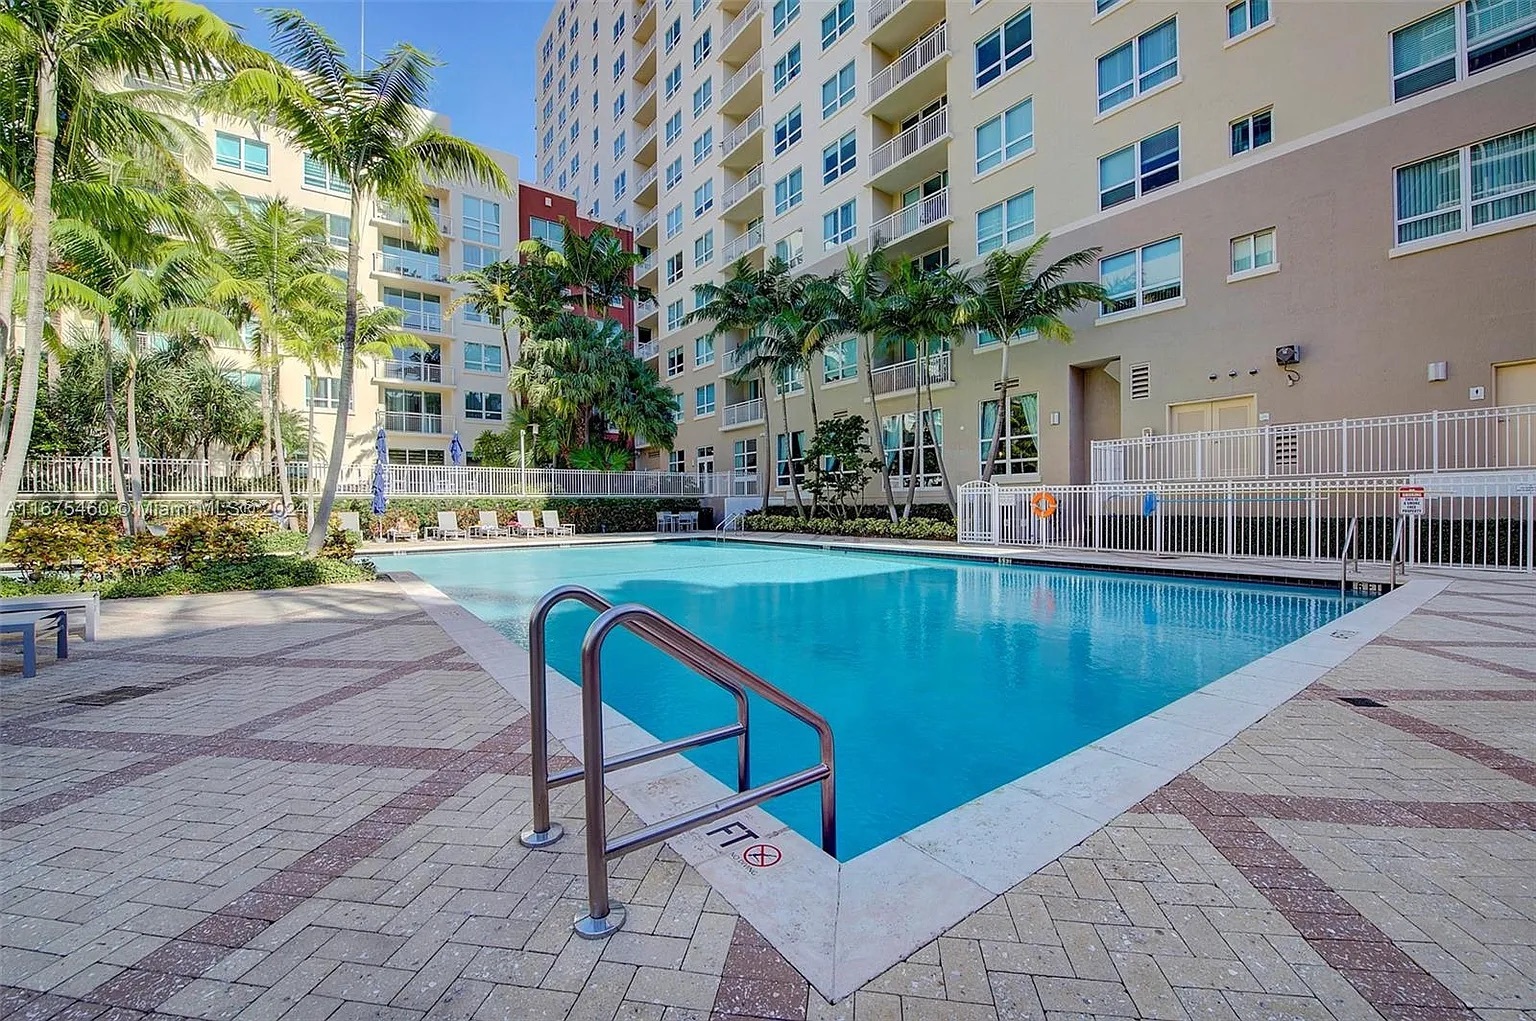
x=942, y=679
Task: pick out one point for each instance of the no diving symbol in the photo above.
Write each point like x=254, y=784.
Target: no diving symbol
x=762, y=855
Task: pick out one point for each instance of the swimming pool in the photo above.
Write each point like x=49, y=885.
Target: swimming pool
x=942, y=678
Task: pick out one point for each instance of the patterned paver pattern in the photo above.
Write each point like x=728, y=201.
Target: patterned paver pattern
x=317, y=818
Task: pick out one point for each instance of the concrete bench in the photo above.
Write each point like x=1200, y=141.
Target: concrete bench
x=84, y=608
x=27, y=625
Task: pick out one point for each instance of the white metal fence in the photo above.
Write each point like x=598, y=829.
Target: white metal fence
x=1483, y=520
x=79, y=477
x=1435, y=441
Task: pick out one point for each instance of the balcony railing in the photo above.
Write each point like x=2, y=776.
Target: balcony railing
x=744, y=17
x=645, y=180
x=930, y=47
x=406, y=371
x=879, y=10
x=421, y=321
x=388, y=214
x=414, y=265
x=744, y=413
x=647, y=265
x=645, y=309
x=646, y=10
x=641, y=51
x=889, y=379
x=646, y=138
x=732, y=361
x=743, y=243
x=645, y=93
x=742, y=188
x=911, y=141
x=734, y=83
x=741, y=132
x=647, y=350
x=911, y=219
x=413, y=422
x=646, y=222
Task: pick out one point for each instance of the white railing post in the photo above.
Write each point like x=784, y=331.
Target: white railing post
x=1434, y=441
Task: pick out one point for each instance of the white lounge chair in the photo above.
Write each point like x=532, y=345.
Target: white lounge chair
x=399, y=532
x=526, y=525
x=666, y=521
x=447, y=527
x=351, y=521
x=28, y=625
x=83, y=607
x=553, y=526
x=489, y=526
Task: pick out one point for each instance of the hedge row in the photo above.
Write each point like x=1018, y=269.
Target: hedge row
x=589, y=516
x=877, y=528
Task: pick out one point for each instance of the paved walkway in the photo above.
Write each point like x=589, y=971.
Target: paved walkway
x=314, y=813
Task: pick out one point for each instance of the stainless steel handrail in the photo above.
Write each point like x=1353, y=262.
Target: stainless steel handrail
x=605, y=916
x=1344, y=552
x=1398, y=550
x=732, y=522
x=542, y=832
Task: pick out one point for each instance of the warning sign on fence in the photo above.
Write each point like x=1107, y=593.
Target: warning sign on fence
x=1410, y=499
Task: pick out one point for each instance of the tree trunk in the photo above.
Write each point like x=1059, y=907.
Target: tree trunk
x=810, y=388
x=265, y=371
x=990, y=464
x=876, y=428
x=763, y=469
x=284, y=490
x=920, y=367
x=10, y=266
x=321, y=522
x=45, y=135
x=938, y=453
x=109, y=412
x=789, y=438
x=135, y=466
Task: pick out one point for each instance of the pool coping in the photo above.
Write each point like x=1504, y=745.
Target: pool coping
x=843, y=924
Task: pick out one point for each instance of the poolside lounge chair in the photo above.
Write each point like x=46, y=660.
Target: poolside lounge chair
x=488, y=527
x=27, y=625
x=84, y=608
x=526, y=525
x=553, y=526
x=351, y=521
x=447, y=527
x=400, y=531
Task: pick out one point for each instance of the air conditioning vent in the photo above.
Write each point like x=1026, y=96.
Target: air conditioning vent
x=1287, y=448
x=1141, y=381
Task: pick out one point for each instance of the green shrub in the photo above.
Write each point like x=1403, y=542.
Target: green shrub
x=285, y=541
x=51, y=585
x=879, y=528
x=50, y=546
x=140, y=555
x=261, y=572
x=203, y=539
x=621, y=514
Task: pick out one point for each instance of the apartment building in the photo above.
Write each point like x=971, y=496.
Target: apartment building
x=1301, y=209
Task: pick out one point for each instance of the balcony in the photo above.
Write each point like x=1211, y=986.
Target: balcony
x=645, y=103
x=732, y=361
x=645, y=21
x=916, y=75
x=734, y=203
x=646, y=310
x=384, y=213
x=892, y=22
x=742, y=244
x=647, y=270
x=735, y=416
x=413, y=422
x=734, y=148
x=400, y=370
x=645, y=146
x=647, y=350
x=743, y=33
x=912, y=156
x=916, y=220
x=892, y=379
x=642, y=60
x=413, y=266
x=420, y=320
x=743, y=90
x=645, y=187
x=647, y=220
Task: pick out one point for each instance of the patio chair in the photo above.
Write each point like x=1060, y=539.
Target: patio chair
x=447, y=527
x=489, y=526
x=27, y=625
x=351, y=521
x=666, y=521
x=553, y=526
x=83, y=607
x=688, y=521
x=526, y=525
x=400, y=531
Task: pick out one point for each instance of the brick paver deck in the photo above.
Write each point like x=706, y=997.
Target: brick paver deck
x=315, y=816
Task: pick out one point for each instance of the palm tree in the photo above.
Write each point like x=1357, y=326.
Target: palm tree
x=369, y=127
x=600, y=268
x=490, y=293
x=1012, y=300
x=66, y=43
x=272, y=266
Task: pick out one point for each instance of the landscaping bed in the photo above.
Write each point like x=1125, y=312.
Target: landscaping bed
x=874, y=528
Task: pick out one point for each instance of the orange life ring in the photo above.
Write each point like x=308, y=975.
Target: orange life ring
x=1043, y=504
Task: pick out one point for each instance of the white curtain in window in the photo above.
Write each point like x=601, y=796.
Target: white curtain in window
x=1429, y=198
x=1504, y=176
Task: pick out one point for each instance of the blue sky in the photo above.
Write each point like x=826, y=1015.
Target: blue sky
x=486, y=83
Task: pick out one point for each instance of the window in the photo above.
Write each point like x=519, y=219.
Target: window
x=704, y=197
x=698, y=8
x=701, y=48
x=1005, y=137
x=674, y=315
x=323, y=393
x=482, y=357
x=836, y=22
x=839, y=226
x=674, y=220
x=1150, y=164
x=1143, y=276
x=422, y=311
x=784, y=11
x=1004, y=48
x=618, y=105
x=840, y=360
x=1429, y=52
x=337, y=227
x=1018, y=449
x=674, y=34
x=620, y=183
x=1253, y=252
x=703, y=352
x=790, y=250
x=1252, y=131
x=787, y=192
x=837, y=91
x=744, y=457
x=839, y=158
x=907, y=456
x=674, y=268
x=482, y=221
x=673, y=83
x=1009, y=221
x=674, y=361
x=674, y=128
x=1127, y=71
x=789, y=456
x=477, y=257
x=703, y=146
x=547, y=231
x=704, y=249
x=786, y=69
x=704, y=460
x=675, y=173
x=704, y=400
x=1476, y=185
x=786, y=131
x=618, y=145
x=618, y=27
x=483, y=406
x=986, y=338
x=319, y=176
x=618, y=67
x=675, y=461
x=233, y=152
x=1245, y=16
x=702, y=97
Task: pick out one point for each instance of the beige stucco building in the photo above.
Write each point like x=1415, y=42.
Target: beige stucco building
x=1355, y=183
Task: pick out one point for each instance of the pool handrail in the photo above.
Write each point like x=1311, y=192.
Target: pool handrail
x=542, y=832
x=605, y=916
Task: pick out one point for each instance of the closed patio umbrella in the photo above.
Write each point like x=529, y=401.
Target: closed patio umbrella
x=456, y=450
x=381, y=448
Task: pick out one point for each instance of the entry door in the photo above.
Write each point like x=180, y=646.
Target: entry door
x=1212, y=457
x=1515, y=384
